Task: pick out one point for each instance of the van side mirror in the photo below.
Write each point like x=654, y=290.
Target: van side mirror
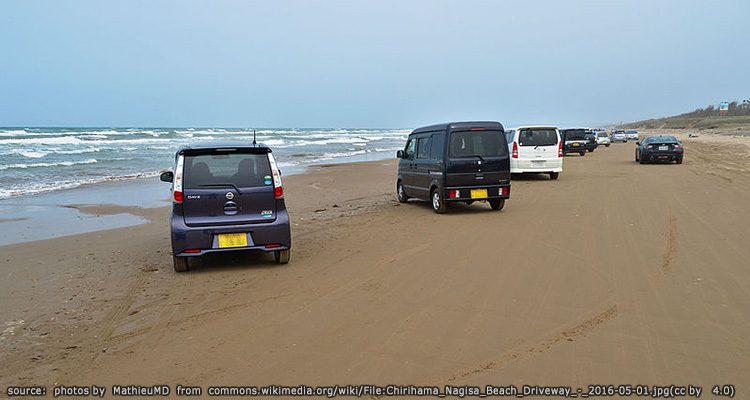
x=166, y=176
x=400, y=154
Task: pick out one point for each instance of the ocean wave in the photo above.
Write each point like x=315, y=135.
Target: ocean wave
x=70, y=184
x=44, y=141
x=40, y=165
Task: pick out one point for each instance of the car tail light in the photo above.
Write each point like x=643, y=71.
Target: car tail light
x=515, y=150
x=278, y=189
x=678, y=146
x=560, y=149
x=177, y=186
x=454, y=194
x=272, y=245
x=503, y=191
x=191, y=251
x=648, y=146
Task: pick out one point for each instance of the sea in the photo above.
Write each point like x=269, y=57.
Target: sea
x=38, y=160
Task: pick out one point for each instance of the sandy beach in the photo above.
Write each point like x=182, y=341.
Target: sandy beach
x=615, y=273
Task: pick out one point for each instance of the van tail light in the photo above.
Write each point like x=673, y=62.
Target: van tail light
x=560, y=149
x=503, y=191
x=177, y=196
x=278, y=189
x=515, y=150
x=454, y=194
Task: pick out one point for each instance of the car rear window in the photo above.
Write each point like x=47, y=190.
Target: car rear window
x=575, y=134
x=477, y=143
x=537, y=137
x=602, y=134
x=233, y=169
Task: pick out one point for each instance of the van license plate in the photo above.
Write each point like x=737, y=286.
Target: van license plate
x=227, y=240
x=478, y=193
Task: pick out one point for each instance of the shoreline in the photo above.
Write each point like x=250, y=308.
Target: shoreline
x=119, y=203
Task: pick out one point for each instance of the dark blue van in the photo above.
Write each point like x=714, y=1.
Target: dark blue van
x=455, y=162
x=227, y=196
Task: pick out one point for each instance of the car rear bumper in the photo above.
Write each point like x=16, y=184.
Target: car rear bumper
x=520, y=166
x=202, y=240
x=465, y=192
x=662, y=156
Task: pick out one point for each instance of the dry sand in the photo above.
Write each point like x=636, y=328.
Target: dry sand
x=616, y=273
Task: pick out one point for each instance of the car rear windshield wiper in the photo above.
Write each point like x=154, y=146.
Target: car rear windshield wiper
x=222, y=185
x=478, y=156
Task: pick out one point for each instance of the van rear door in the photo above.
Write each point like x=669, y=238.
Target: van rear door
x=228, y=187
x=477, y=157
x=537, y=145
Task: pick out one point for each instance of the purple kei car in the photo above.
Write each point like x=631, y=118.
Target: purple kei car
x=227, y=196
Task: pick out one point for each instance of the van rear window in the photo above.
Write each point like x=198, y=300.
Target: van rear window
x=238, y=169
x=477, y=143
x=537, y=137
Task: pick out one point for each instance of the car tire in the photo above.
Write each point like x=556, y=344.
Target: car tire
x=497, y=204
x=437, y=201
x=554, y=175
x=582, y=153
x=679, y=160
x=636, y=156
x=606, y=145
x=591, y=150
x=180, y=264
x=282, y=256
x=402, y=197
x=642, y=160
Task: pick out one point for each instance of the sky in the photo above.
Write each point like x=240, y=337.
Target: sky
x=379, y=64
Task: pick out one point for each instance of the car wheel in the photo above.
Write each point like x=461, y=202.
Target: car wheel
x=642, y=160
x=591, y=150
x=282, y=256
x=438, y=204
x=606, y=145
x=582, y=153
x=636, y=156
x=679, y=160
x=180, y=264
x=554, y=175
x=402, y=197
x=497, y=204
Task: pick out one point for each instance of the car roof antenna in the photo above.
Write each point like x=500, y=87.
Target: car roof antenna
x=254, y=137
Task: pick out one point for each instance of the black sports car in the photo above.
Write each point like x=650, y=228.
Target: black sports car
x=659, y=148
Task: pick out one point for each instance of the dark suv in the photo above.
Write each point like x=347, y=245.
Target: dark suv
x=575, y=141
x=226, y=197
x=459, y=161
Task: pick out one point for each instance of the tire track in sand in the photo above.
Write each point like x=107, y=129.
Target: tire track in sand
x=567, y=335
x=671, y=245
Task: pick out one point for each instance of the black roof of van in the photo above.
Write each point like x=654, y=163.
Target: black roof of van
x=491, y=125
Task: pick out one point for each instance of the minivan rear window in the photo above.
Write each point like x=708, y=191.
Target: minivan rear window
x=232, y=169
x=537, y=137
x=477, y=143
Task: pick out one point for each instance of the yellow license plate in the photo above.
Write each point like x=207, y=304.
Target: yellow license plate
x=576, y=144
x=478, y=193
x=227, y=240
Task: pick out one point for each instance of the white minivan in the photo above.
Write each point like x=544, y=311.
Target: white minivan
x=536, y=149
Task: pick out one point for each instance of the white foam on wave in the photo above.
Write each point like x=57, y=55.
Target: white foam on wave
x=40, y=165
x=44, y=141
x=70, y=184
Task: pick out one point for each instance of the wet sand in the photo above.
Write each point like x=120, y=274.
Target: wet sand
x=615, y=273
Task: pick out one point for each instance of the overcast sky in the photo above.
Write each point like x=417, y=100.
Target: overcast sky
x=363, y=63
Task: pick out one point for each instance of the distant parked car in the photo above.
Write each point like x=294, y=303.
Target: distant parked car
x=536, y=149
x=659, y=148
x=632, y=134
x=574, y=141
x=602, y=138
x=619, y=135
x=455, y=162
x=227, y=196
x=591, y=143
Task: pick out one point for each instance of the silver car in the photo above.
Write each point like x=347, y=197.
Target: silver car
x=602, y=138
x=632, y=134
